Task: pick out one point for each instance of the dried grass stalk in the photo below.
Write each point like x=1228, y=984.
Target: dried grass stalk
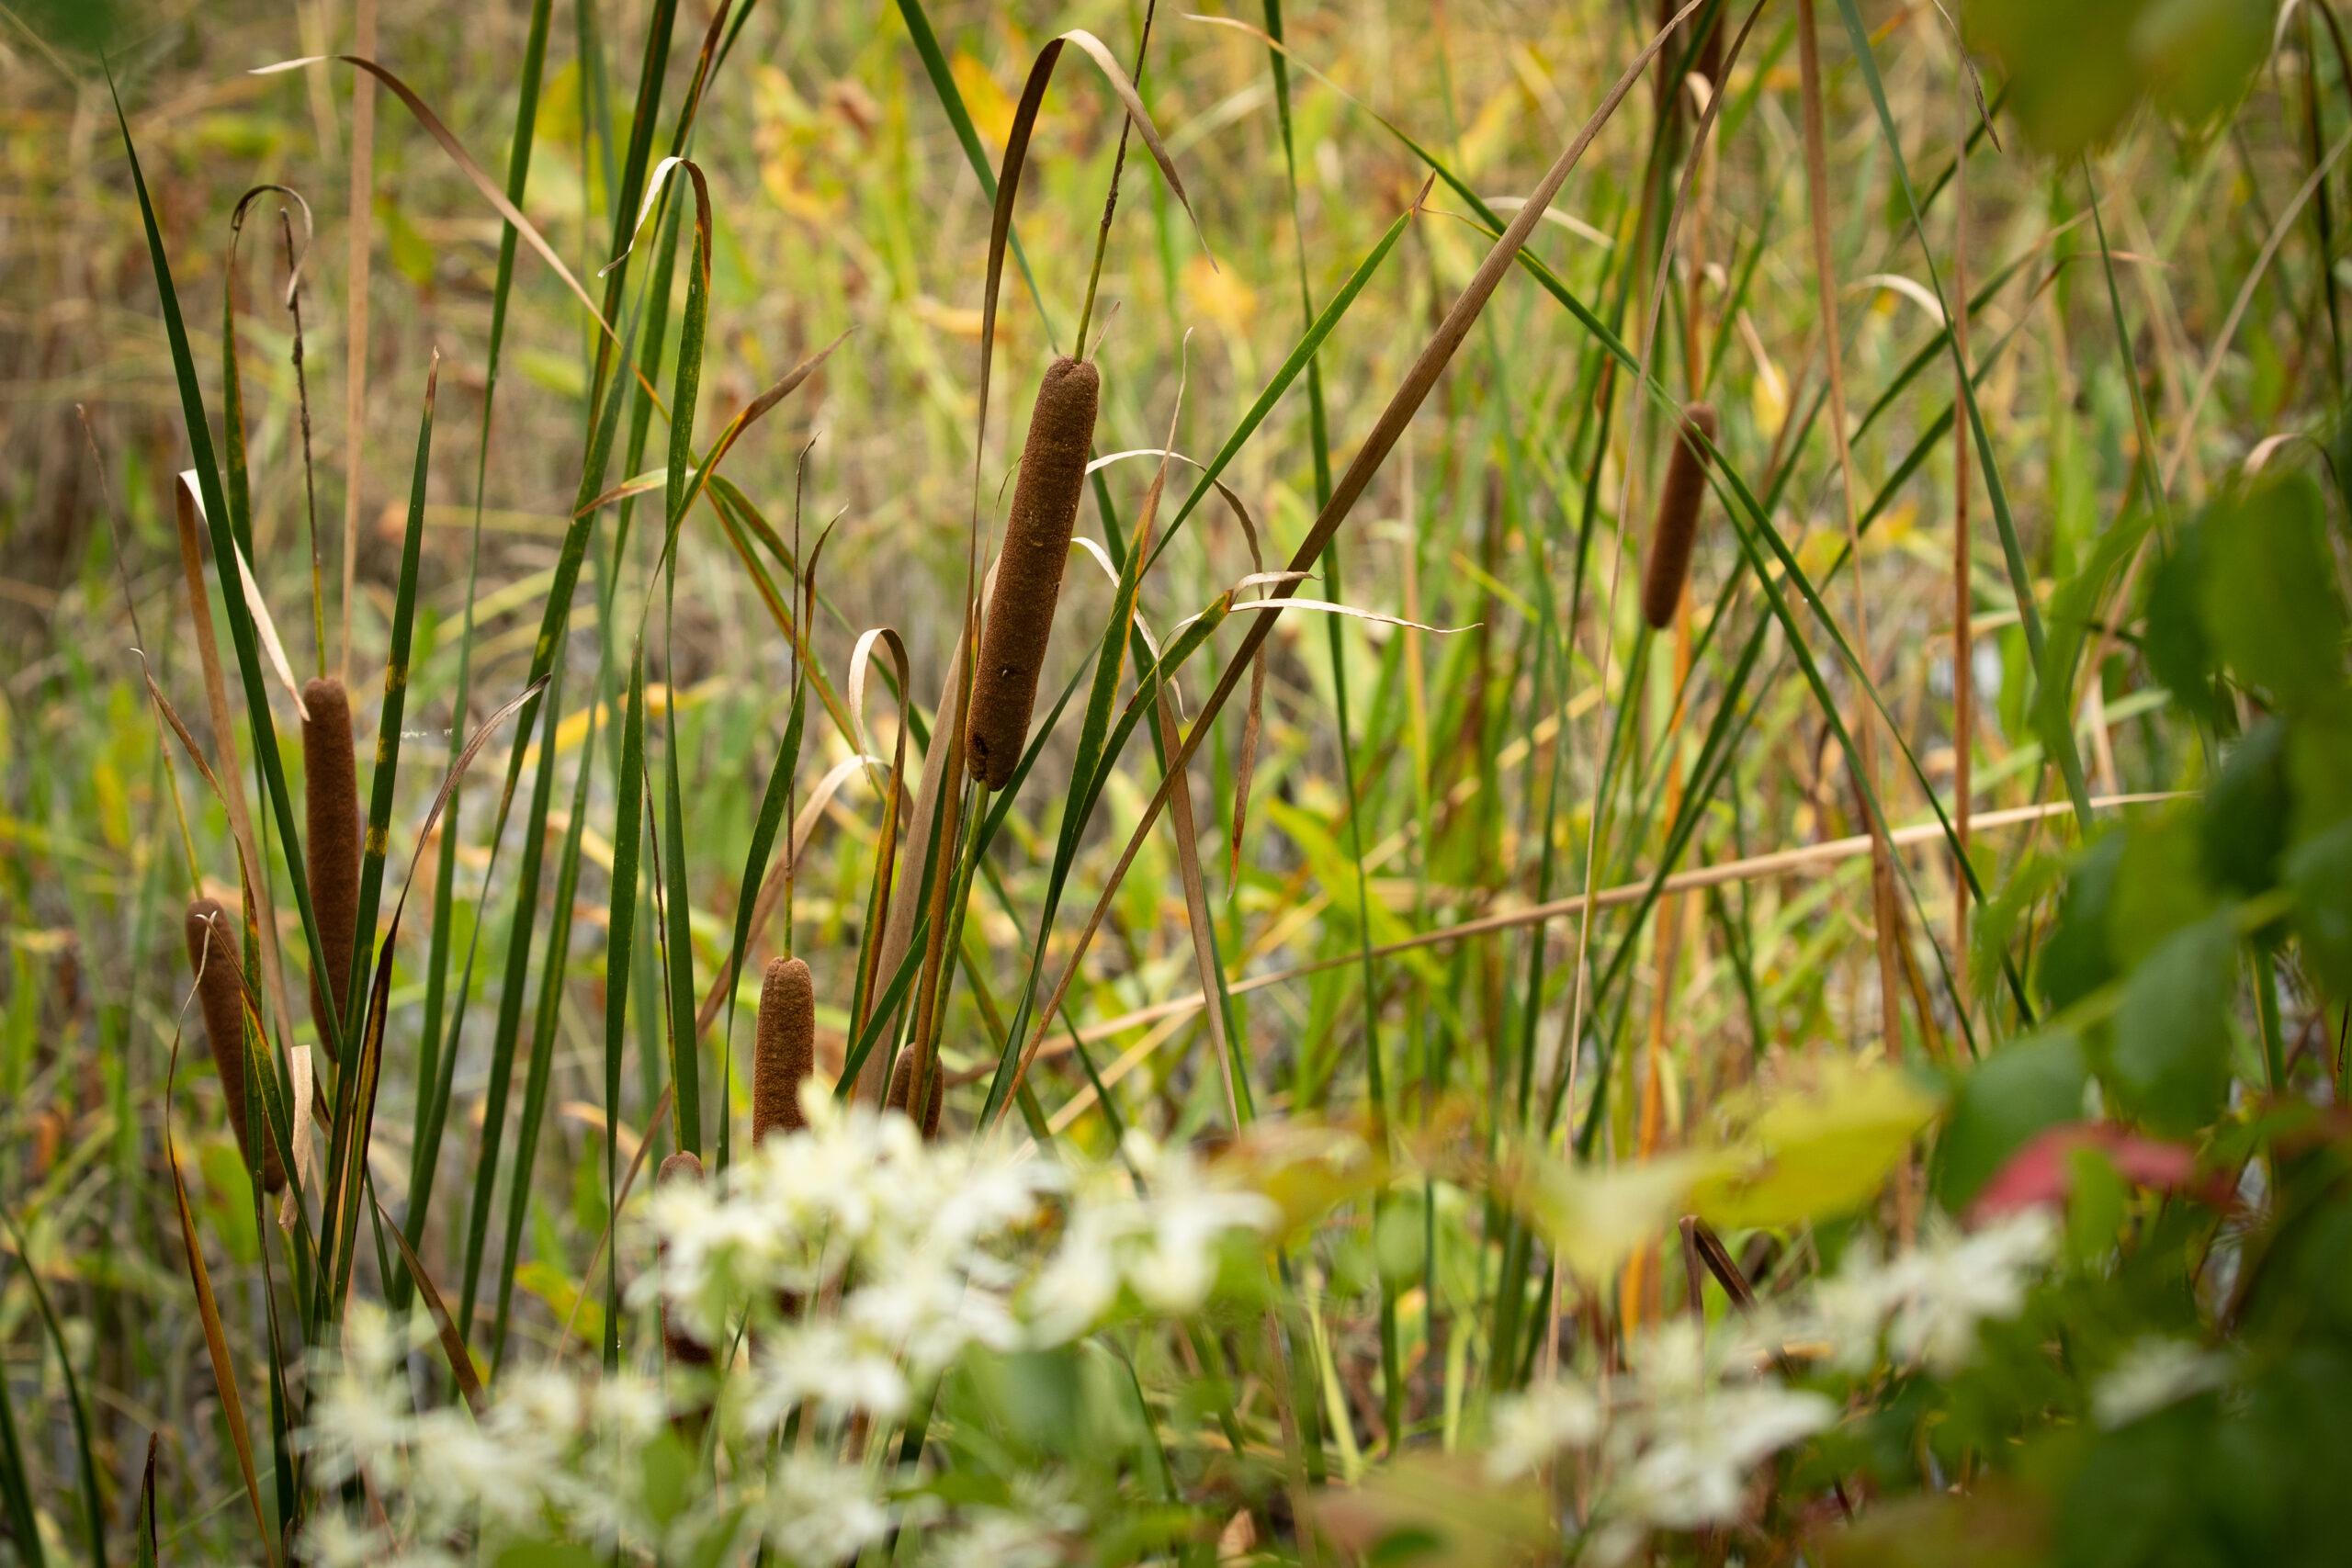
x=1668, y=567
x=786, y=1053
x=1029, y=568
x=220, y=996
x=331, y=799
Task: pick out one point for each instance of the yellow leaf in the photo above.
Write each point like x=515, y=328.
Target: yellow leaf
x=1594, y=1218
x=990, y=107
x=1820, y=1143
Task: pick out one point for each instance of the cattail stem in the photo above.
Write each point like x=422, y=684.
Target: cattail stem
x=1029, y=568
x=786, y=1052
x=1667, y=571
x=220, y=996
x=1111, y=199
x=331, y=800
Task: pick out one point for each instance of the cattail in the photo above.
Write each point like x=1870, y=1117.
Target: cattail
x=1678, y=517
x=678, y=1346
x=331, y=796
x=787, y=1049
x=1029, y=569
x=902, y=1088
x=220, y=994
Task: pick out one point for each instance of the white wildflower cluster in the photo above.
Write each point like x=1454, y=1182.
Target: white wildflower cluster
x=1669, y=1444
x=549, y=1454
x=853, y=1263
x=864, y=1260
x=1923, y=1306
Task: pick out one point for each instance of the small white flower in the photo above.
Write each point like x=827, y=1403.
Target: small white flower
x=826, y=1365
x=1693, y=1468
x=816, y=1511
x=1929, y=1302
x=1532, y=1427
x=2153, y=1373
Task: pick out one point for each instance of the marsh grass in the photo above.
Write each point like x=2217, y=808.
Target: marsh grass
x=1566, y=879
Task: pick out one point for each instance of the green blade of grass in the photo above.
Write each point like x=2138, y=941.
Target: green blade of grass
x=94, y=1506
x=432, y=1108
x=628, y=834
x=2069, y=762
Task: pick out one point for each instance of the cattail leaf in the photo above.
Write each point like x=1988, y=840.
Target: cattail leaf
x=453, y=1344
x=210, y=501
x=763, y=830
x=207, y=1311
x=505, y=208
x=94, y=1505
x=436, y=1071
x=15, y=1493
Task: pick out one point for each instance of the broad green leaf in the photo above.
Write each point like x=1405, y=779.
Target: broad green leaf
x=2320, y=870
x=2169, y=1060
x=2267, y=593
x=2075, y=961
x=2076, y=69
x=1817, y=1147
x=2020, y=1089
x=2179, y=652
x=2248, y=812
x=2159, y=885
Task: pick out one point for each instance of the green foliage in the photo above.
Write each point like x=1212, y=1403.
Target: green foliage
x=2077, y=69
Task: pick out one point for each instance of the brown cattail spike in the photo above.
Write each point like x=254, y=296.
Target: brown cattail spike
x=1678, y=517
x=786, y=1050
x=331, y=797
x=1029, y=568
x=220, y=995
x=678, y=1346
x=902, y=1088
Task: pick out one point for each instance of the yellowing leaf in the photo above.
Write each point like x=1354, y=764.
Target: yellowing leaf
x=991, y=108
x=1595, y=1218
x=1805, y=1149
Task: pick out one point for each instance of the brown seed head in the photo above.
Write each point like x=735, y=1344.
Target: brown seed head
x=786, y=1050
x=220, y=996
x=679, y=1348
x=1678, y=517
x=1029, y=568
x=902, y=1088
x=331, y=798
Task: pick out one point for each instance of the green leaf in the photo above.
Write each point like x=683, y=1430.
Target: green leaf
x=2020, y=1090
x=2247, y=811
x=2159, y=885
x=2267, y=593
x=2320, y=870
x=2169, y=1060
x=2075, y=963
x=2078, y=69
x=2179, y=652
x=547, y=1554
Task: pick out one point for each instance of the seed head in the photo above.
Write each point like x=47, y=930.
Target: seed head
x=1029, y=569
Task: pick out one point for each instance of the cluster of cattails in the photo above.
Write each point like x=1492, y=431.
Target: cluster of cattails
x=1668, y=567
x=220, y=996
x=331, y=800
x=1029, y=568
